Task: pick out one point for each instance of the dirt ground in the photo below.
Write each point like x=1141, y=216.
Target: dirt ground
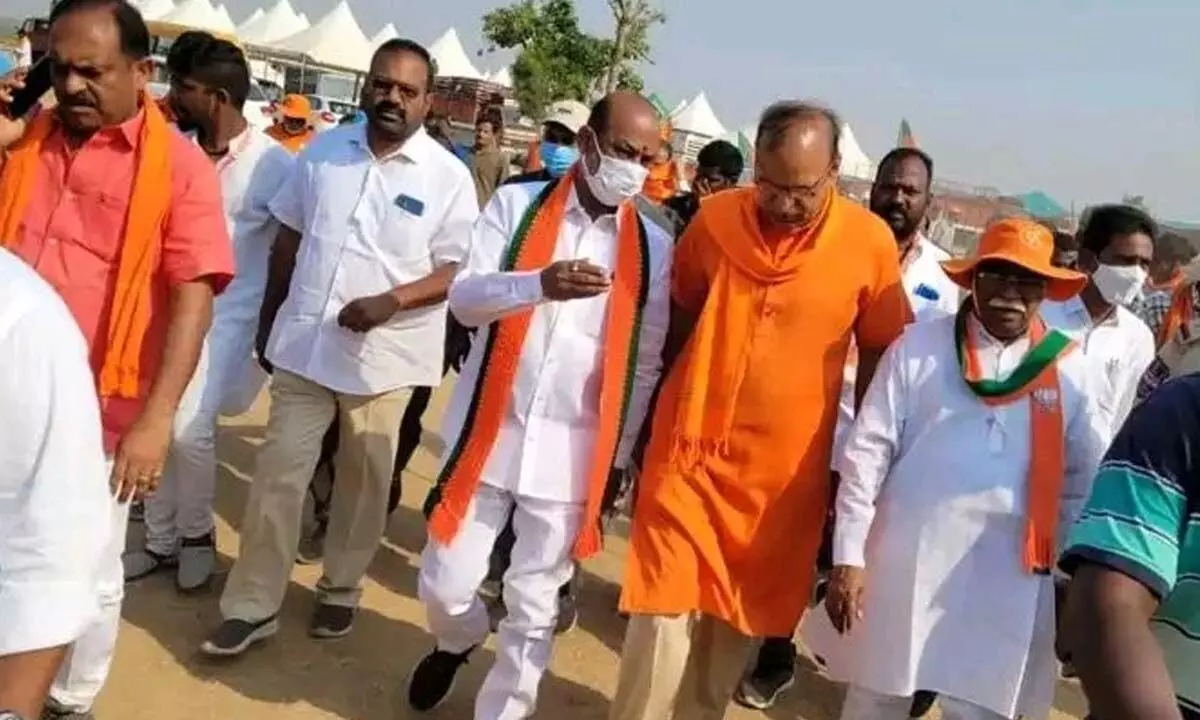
x=158, y=672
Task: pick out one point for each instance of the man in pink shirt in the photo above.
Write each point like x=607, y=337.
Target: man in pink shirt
x=74, y=220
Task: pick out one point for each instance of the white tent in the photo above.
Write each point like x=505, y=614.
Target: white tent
x=387, y=32
x=304, y=17
x=336, y=40
x=224, y=21
x=451, y=58
x=199, y=14
x=698, y=118
x=254, y=16
x=275, y=24
x=855, y=162
x=503, y=78
x=154, y=9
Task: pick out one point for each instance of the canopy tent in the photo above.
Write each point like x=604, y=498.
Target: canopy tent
x=304, y=18
x=698, y=118
x=855, y=162
x=279, y=22
x=1041, y=206
x=451, y=58
x=502, y=78
x=199, y=14
x=387, y=32
x=154, y=9
x=254, y=16
x=335, y=40
x=224, y=21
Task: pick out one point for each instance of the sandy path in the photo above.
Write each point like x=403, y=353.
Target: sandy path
x=158, y=673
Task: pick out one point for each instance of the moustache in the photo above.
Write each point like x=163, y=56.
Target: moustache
x=391, y=109
x=1008, y=305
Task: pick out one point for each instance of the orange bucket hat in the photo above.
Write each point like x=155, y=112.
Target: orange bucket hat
x=1026, y=244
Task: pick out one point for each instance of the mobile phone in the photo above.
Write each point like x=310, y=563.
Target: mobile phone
x=37, y=82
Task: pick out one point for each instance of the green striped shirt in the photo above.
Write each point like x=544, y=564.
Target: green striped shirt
x=1143, y=520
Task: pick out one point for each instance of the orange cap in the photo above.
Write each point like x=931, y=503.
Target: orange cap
x=1024, y=243
x=296, y=107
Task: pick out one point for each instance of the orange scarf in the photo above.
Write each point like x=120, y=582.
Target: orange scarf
x=1036, y=378
x=717, y=355
x=660, y=184
x=140, y=252
x=1180, y=315
x=533, y=249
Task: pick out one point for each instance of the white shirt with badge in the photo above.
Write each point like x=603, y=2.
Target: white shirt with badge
x=1118, y=350
x=545, y=445
x=931, y=293
x=369, y=224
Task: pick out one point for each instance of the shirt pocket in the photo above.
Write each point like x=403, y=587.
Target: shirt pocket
x=102, y=217
x=404, y=236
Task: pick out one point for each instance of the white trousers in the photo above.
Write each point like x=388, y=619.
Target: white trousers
x=541, y=563
x=863, y=704
x=226, y=381
x=82, y=675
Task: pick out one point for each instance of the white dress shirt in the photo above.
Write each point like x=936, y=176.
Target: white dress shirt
x=1118, y=350
x=368, y=225
x=545, y=445
x=933, y=502
x=931, y=293
x=54, y=502
x=251, y=174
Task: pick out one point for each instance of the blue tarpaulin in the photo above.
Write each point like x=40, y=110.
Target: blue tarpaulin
x=1040, y=205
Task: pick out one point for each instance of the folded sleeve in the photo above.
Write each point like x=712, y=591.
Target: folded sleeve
x=883, y=307
x=196, y=244
x=453, y=238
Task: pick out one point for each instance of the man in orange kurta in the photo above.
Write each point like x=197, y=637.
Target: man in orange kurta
x=770, y=283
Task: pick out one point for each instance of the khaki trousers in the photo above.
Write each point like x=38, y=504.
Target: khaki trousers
x=301, y=412
x=685, y=667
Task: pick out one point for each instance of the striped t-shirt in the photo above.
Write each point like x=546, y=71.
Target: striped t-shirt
x=1143, y=520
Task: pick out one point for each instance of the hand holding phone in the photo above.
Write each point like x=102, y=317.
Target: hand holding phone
x=21, y=89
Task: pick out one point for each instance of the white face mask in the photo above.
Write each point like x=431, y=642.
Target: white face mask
x=616, y=180
x=1119, y=284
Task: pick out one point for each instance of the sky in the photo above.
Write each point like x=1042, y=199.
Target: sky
x=1088, y=100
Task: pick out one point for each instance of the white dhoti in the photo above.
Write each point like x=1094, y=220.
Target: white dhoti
x=862, y=704
x=541, y=563
x=85, y=670
x=226, y=381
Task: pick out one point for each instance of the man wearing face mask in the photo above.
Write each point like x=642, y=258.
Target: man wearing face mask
x=374, y=222
x=569, y=287
x=972, y=454
x=557, y=148
x=1116, y=249
x=734, y=487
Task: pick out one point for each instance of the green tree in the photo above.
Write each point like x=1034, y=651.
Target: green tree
x=556, y=60
x=632, y=20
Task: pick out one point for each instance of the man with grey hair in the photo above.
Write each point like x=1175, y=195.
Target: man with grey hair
x=735, y=483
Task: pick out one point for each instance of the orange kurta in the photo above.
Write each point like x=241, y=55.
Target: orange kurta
x=735, y=534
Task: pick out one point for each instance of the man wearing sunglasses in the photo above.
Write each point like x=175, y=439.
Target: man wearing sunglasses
x=719, y=165
x=973, y=451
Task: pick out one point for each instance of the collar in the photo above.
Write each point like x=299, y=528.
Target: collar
x=1075, y=308
x=415, y=149
x=128, y=133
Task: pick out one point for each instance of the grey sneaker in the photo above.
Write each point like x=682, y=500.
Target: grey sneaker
x=197, y=557
x=140, y=564
x=53, y=711
x=331, y=621
x=568, y=611
x=235, y=637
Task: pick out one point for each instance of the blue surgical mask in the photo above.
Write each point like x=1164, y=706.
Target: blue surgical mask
x=557, y=159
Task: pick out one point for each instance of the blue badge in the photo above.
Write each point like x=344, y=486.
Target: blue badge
x=924, y=291
x=410, y=204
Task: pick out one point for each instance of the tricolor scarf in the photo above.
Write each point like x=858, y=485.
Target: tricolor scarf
x=141, y=244
x=1036, y=377
x=532, y=248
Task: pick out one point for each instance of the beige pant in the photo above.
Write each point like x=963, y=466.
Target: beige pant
x=680, y=666
x=301, y=412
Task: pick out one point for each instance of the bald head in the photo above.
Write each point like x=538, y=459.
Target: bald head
x=624, y=125
x=795, y=160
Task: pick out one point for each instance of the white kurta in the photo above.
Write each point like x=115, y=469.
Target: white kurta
x=932, y=503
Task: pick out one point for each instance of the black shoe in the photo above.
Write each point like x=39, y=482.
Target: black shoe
x=773, y=673
x=433, y=679
x=568, y=611
x=53, y=711
x=331, y=621
x=234, y=637
x=922, y=703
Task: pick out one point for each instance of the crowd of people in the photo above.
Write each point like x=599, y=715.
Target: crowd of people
x=955, y=478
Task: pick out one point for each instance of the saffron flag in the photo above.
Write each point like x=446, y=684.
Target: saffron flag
x=905, y=137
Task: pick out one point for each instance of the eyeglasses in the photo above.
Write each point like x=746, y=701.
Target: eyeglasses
x=796, y=192
x=1028, y=286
